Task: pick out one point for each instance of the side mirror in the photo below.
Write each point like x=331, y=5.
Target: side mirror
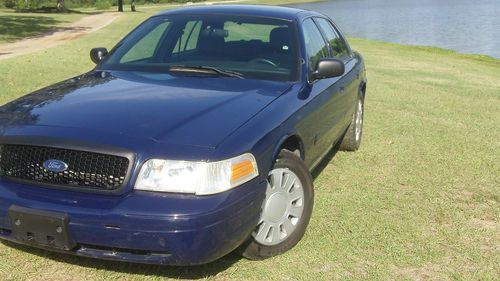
x=97, y=54
x=328, y=68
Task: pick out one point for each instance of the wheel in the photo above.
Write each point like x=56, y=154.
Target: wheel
x=352, y=137
x=286, y=209
x=264, y=61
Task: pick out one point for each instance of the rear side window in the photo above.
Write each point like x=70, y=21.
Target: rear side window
x=316, y=47
x=337, y=45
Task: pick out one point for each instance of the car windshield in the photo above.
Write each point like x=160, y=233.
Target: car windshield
x=221, y=45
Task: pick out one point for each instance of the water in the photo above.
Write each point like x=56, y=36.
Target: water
x=466, y=26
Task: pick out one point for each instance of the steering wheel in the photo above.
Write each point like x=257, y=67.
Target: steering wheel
x=266, y=61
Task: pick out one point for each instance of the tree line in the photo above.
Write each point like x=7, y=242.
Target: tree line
x=66, y=5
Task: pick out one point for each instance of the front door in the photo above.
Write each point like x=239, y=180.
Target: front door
x=324, y=102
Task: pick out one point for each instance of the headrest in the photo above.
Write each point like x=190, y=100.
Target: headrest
x=211, y=40
x=280, y=38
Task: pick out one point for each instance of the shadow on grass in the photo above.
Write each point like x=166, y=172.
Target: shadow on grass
x=54, y=10
x=15, y=27
x=177, y=272
x=325, y=161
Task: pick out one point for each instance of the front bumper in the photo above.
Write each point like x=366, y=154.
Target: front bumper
x=144, y=227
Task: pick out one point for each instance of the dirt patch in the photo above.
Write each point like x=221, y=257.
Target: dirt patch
x=427, y=272
x=57, y=36
x=484, y=224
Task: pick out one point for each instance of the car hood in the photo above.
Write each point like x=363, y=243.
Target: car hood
x=197, y=111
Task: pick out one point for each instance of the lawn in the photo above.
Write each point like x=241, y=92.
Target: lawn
x=15, y=26
x=419, y=201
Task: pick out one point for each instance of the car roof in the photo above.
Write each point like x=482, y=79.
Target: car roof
x=248, y=10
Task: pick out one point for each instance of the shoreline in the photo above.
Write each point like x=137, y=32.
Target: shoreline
x=443, y=51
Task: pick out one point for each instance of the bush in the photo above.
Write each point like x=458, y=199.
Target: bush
x=27, y=4
x=7, y=4
x=102, y=4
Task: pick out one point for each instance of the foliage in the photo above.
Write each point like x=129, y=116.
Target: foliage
x=28, y=4
x=102, y=4
x=99, y=4
x=8, y=3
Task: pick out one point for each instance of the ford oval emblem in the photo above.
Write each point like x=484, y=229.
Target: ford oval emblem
x=55, y=166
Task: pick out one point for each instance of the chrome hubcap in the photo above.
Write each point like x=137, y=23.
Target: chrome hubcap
x=359, y=120
x=282, y=209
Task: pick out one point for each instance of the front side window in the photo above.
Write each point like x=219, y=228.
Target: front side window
x=316, y=47
x=144, y=48
x=254, y=47
x=337, y=45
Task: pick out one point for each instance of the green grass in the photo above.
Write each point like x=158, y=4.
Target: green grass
x=15, y=26
x=419, y=201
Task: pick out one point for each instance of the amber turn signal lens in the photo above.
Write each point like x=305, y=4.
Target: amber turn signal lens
x=242, y=169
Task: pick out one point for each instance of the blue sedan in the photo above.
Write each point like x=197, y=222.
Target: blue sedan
x=193, y=137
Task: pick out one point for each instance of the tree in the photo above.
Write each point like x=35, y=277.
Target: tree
x=120, y=5
x=60, y=6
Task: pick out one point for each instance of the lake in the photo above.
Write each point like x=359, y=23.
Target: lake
x=466, y=26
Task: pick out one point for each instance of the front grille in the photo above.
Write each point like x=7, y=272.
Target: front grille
x=87, y=170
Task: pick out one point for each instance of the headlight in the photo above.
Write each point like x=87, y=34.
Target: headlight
x=199, y=178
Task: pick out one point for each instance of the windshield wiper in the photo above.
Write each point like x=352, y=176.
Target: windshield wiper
x=205, y=69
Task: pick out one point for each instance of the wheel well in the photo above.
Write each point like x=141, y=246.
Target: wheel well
x=293, y=144
x=362, y=88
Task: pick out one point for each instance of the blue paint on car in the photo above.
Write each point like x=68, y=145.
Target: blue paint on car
x=120, y=115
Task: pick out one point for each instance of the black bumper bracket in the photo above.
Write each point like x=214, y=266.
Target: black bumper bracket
x=41, y=228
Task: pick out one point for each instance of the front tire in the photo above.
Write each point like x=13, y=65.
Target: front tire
x=285, y=211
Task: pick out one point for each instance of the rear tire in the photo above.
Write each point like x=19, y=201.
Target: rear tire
x=286, y=210
x=352, y=137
